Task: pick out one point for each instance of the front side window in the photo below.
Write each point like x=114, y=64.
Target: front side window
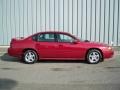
x=48, y=37
x=65, y=38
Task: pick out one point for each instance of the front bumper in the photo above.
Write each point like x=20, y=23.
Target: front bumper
x=108, y=54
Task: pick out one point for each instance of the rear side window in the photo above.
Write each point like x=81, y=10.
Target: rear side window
x=34, y=38
x=48, y=37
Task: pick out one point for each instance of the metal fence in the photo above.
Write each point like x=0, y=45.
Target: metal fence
x=95, y=20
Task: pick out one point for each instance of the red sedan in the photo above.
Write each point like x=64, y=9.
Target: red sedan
x=58, y=46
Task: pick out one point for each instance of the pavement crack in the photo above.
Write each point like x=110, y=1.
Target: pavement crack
x=60, y=69
x=112, y=67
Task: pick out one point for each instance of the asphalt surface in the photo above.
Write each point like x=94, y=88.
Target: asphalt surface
x=59, y=75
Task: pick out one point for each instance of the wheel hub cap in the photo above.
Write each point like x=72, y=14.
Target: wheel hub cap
x=94, y=57
x=30, y=57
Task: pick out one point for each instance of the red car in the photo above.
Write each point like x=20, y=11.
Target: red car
x=58, y=46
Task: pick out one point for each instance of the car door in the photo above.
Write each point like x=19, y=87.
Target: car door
x=47, y=45
x=68, y=49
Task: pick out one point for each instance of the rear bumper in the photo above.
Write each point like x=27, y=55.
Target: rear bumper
x=14, y=52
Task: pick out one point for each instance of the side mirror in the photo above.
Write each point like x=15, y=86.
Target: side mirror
x=75, y=42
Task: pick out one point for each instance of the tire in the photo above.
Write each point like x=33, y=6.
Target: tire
x=30, y=57
x=94, y=56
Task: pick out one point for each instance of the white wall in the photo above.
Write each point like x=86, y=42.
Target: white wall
x=96, y=20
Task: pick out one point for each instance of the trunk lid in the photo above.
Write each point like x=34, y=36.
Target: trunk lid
x=14, y=40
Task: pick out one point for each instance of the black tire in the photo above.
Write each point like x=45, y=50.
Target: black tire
x=94, y=56
x=30, y=57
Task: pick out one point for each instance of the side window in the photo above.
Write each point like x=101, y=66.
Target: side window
x=48, y=37
x=65, y=38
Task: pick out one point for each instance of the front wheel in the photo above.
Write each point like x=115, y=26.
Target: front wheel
x=30, y=57
x=94, y=56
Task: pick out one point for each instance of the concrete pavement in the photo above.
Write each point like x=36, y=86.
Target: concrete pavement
x=59, y=75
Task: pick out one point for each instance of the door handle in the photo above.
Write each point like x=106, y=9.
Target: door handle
x=37, y=44
x=60, y=45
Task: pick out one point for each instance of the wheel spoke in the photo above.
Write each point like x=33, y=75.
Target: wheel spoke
x=94, y=53
x=32, y=55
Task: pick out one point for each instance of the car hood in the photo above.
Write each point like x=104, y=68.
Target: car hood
x=93, y=44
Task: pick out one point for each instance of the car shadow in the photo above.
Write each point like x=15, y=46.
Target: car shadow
x=62, y=61
x=7, y=58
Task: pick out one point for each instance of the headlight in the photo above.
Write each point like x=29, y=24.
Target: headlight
x=107, y=48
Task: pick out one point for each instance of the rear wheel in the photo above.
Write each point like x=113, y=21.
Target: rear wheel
x=94, y=56
x=30, y=57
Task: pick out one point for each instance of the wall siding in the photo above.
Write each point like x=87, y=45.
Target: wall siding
x=95, y=20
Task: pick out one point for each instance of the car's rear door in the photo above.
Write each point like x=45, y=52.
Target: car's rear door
x=47, y=45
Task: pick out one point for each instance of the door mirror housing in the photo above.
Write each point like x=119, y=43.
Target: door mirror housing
x=75, y=42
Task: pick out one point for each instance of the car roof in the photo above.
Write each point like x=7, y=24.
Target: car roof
x=57, y=32
x=54, y=32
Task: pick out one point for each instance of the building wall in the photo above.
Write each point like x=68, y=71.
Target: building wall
x=95, y=20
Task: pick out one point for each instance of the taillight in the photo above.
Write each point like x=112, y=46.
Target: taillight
x=11, y=43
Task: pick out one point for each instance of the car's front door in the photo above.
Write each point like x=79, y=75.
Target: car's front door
x=47, y=45
x=68, y=49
